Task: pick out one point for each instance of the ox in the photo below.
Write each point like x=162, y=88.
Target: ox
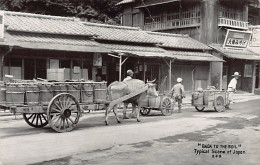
x=119, y=89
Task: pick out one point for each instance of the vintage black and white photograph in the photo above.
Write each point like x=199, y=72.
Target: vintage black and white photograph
x=122, y=82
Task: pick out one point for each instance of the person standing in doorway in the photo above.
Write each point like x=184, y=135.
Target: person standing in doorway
x=129, y=74
x=232, y=89
x=178, y=93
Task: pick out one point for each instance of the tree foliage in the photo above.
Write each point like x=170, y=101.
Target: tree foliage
x=89, y=10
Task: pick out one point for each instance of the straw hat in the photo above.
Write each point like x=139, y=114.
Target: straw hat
x=179, y=80
x=236, y=74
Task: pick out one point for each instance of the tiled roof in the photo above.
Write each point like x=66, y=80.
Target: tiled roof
x=236, y=53
x=178, y=41
x=124, y=2
x=144, y=51
x=36, y=23
x=52, y=42
x=194, y=56
x=120, y=33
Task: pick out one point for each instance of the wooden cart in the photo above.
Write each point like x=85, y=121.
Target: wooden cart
x=209, y=99
x=163, y=103
x=59, y=104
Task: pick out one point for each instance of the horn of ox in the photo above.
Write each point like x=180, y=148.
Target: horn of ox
x=151, y=81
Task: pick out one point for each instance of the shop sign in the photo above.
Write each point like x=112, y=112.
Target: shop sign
x=97, y=59
x=237, y=39
x=2, y=24
x=255, y=40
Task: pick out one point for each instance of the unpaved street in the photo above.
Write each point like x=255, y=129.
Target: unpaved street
x=157, y=139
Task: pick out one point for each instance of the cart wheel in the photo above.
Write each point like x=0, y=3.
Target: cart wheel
x=219, y=106
x=166, y=106
x=63, y=112
x=199, y=108
x=144, y=111
x=37, y=120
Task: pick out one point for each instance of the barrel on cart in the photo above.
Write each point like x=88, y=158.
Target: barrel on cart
x=210, y=98
x=59, y=104
x=163, y=103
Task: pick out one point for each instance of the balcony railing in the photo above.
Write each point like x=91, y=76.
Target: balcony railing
x=179, y=23
x=232, y=23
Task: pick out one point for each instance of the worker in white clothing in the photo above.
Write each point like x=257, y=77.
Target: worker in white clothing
x=129, y=74
x=232, y=88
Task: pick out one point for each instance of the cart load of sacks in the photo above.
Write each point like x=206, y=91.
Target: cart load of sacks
x=35, y=93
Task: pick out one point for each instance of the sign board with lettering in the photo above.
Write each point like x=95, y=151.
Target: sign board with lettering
x=2, y=27
x=237, y=39
x=255, y=41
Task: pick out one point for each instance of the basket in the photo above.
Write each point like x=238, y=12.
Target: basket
x=15, y=94
x=87, y=94
x=100, y=90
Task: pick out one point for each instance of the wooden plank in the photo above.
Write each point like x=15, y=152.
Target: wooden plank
x=30, y=109
x=126, y=97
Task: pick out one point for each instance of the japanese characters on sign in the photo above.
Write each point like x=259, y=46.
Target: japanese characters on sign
x=1, y=24
x=237, y=39
x=255, y=41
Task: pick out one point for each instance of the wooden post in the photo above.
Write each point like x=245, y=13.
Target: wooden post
x=170, y=74
x=120, y=68
x=253, y=77
x=22, y=69
x=144, y=70
x=1, y=66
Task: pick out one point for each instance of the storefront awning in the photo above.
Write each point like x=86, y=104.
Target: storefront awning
x=155, y=3
x=52, y=42
x=244, y=54
x=138, y=51
x=194, y=56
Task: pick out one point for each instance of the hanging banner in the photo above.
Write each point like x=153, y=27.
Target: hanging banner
x=237, y=39
x=2, y=27
x=97, y=59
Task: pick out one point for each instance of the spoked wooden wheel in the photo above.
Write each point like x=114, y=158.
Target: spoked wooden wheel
x=199, y=108
x=37, y=120
x=144, y=111
x=63, y=112
x=219, y=104
x=166, y=106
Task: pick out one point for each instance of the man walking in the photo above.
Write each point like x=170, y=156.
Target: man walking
x=178, y=93
x=232, y=89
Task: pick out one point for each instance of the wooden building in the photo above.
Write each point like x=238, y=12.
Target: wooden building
x=33, y=45
x=206, y=21
x=61, y=48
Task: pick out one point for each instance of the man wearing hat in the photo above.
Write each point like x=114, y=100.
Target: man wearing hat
x=232, y=88
x=178, y=93
x=129, y=74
